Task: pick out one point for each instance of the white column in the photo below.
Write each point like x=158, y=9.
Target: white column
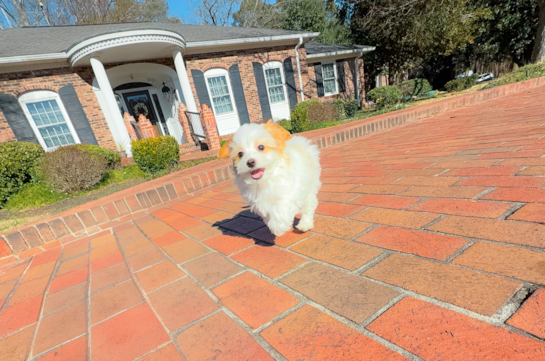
x=184, y=81
x=104, y=83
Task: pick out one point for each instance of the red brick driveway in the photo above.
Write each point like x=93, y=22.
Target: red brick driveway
x=428, y=245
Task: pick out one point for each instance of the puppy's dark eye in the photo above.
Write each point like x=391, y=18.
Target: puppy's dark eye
x=240, y=154
x=261, y=147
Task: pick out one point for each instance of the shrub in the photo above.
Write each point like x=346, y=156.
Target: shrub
x=339, y=103
x=133, y=171
x=322, y=112
x=350, y=108
x=17, y=163
x=33, y=195
x=299, y=120
x=286, y=124
x=69, y=169
x=384, y=96
x=461, y=83
x=112, y=159
x=155, y=154
x=415, y=87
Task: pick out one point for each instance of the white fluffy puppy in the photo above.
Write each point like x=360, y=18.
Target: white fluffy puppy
x=278, y=175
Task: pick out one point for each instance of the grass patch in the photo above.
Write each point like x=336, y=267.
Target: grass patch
x=524, y=73
x=222, y=142
x=33, y=195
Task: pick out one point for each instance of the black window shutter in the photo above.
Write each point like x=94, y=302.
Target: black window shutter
x=319, y=79
x=262, y=91
x=76, y=114
x=17, y=119
x=200, y=86
x=290, y=82
x=341, y=76
x=238, y=94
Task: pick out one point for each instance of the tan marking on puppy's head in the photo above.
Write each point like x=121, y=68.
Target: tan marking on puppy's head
x=280, y=135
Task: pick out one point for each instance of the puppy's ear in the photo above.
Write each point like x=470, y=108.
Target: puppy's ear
x=280, y=134
x=225, y=150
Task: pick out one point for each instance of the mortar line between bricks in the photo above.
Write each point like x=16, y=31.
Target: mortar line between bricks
x=89, y=349
x=140, y=288
x=459, y=252
x=212, y=295
x=511, y=305
x=515, y=207
x=8, y=298
x=45, y=294
x=345, y=321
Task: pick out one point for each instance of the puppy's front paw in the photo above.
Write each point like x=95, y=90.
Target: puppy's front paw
x=305, y=225
x=278, y=229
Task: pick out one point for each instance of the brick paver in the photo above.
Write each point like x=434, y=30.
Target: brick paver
x=428, y=245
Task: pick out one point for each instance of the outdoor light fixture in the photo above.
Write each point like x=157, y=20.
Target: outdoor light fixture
x=167, y=92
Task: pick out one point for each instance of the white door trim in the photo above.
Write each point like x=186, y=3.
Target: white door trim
x=232, y=116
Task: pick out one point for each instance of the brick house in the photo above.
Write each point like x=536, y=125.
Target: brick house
x=74, y=84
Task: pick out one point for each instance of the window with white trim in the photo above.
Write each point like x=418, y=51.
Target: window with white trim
x=329, y=77
x=48, y=118
x=219, y=92
x=275, y=85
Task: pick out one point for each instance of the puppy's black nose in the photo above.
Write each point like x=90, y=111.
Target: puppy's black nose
x=250, y=163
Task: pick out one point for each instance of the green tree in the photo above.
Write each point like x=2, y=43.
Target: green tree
x=409, y=32
x=315, y=15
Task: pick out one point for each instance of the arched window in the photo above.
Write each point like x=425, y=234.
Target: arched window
x=48, y=118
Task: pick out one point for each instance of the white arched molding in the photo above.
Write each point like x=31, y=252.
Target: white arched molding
x=108, y=41
x=48, y=119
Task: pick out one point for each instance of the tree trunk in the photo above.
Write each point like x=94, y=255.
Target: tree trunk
x=538, y=53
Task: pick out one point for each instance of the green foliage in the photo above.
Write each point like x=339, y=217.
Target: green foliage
x=322, y=125
x=299, y=119
x=384, y=96
x=112, y=159
x=339, y=103
x=415, y=87
x=315, y=15
x=286, y=124
x=34, y=195
x=222, y=142
x=506, y=33
x=322, y=112
x=350, y=108
x=461, y=83
x=155, y=154
x=534, y=71
x=17, y=161
x=111, y=177
x=69, y=169
x=407, y=33
x=132, y=172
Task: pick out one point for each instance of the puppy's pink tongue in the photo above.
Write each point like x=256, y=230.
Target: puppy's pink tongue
x=258, y=173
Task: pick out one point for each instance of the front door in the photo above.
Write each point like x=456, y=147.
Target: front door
x=276, y=89
x=140, y=103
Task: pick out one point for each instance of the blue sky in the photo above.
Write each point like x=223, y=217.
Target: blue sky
x=184, y=10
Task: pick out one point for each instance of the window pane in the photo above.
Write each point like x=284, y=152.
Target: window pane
x=220, y=94
x=51, y=123
x=327, y=71
x=222, y=104
x=329, y=86
x=218, y=86
x=273, y=77
x=277, y=94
